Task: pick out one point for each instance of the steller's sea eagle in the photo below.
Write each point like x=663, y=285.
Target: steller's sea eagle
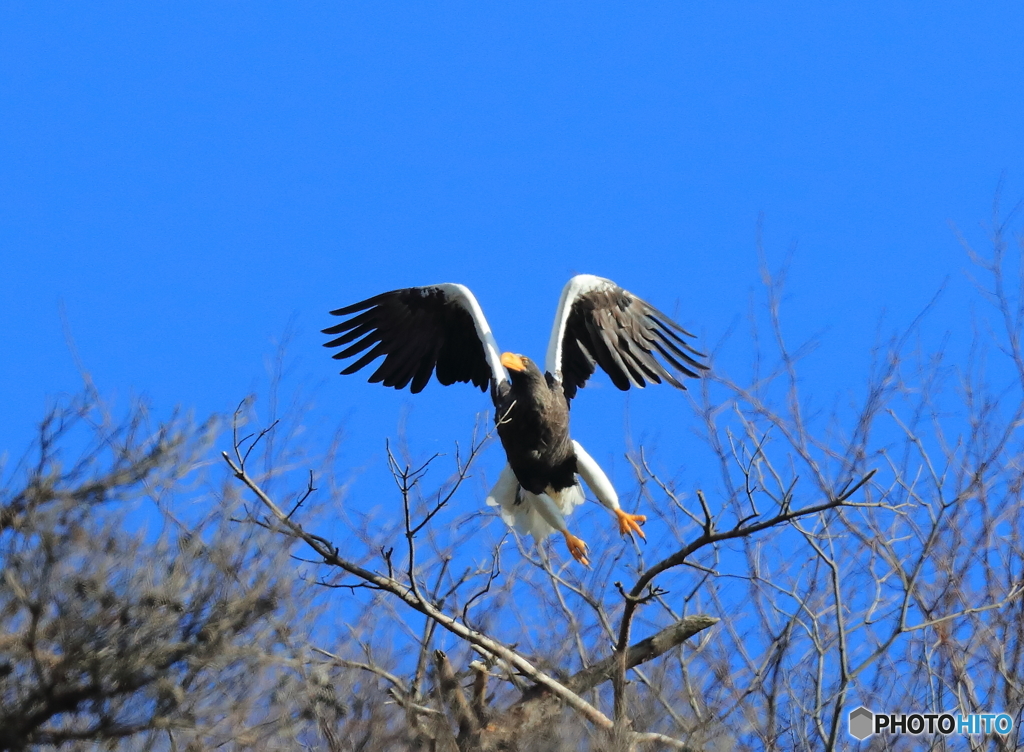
x=441, y=329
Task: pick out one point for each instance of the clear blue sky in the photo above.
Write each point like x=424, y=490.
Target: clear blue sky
x=190, y=180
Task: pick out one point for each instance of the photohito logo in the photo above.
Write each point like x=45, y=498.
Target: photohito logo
x=864, y=723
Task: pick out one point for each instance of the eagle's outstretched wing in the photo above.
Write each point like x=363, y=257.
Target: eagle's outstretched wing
x=597, y=323
x=420, y=330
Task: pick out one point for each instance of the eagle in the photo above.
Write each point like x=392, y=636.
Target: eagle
x=441, y=330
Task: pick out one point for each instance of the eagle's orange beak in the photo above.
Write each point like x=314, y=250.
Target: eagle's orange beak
x=512, y=361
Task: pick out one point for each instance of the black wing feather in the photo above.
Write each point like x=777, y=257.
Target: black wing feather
x=624, y=335
x=374, y=353
x=606, y=356
x=419, y=331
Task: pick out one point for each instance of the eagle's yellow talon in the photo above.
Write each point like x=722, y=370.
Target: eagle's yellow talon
x=577, y=548
x=630, y=523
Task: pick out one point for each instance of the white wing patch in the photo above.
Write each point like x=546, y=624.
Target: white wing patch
x=579, y=285
x=461, y=295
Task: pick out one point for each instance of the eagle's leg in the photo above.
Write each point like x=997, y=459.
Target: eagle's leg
x=605, y=492
x=549, y=510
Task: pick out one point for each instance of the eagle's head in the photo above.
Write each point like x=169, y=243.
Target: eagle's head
x=521, y=369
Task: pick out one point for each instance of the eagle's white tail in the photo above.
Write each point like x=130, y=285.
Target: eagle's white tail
x=526, y=511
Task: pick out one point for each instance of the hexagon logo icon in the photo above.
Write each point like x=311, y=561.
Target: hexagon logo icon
x=861, y=723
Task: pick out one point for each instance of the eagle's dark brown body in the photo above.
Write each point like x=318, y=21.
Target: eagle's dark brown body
x=532, y=417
